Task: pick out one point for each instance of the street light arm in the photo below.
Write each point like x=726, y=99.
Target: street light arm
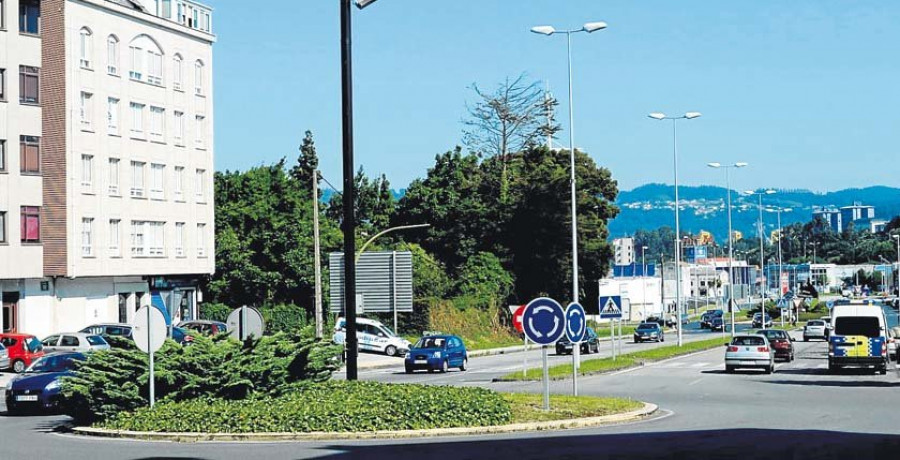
x=383, y=232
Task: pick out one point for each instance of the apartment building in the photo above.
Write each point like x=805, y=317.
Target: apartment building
x=623, y=250
x=106, y=160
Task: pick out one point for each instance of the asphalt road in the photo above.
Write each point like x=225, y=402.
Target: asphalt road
x=799, y=412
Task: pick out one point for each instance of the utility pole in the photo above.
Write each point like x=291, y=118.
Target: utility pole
x=315, y=197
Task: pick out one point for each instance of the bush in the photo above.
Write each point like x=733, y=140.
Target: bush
x=335, y=406
x=483, y=277
x=213, y=311
x=111, y=382
x=478, y=328
x=288, y=318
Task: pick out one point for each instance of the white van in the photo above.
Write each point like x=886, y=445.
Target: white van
x=374, y=336
x=858, y=337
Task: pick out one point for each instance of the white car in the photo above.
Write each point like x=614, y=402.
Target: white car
x=749, y=351
x=74, y=341
x=374, y=336
x=815, y=328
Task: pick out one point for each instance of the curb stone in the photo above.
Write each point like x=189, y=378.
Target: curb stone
x=589, y=422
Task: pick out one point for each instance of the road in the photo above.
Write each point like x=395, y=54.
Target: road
x=800, y=412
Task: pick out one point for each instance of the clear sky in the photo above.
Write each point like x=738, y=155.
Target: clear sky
x=803, y=90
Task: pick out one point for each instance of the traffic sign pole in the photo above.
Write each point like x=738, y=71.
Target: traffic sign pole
x=546, y=379
x=612, y=335
x=544, y=323
x=576, y=354
x=149, y=347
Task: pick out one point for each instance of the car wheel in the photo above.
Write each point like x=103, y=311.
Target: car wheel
x=805, y=338
x=883, y=370
x=464, y=365
x=390, y=350
x=663, y=339
x=18, y=366
x=444, y=366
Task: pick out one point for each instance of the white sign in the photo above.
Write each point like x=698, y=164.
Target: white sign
x=244, y=322
x=149, y=331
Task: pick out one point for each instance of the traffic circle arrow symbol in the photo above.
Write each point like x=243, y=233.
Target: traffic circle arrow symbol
x=544, y=321
x=576, y=322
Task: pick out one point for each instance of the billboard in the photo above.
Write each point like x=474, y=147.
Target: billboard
x=383, y=281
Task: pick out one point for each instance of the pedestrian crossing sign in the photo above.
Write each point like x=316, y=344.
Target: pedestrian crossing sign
x=611, y=307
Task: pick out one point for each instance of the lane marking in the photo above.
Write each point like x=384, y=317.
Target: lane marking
x=696, y=381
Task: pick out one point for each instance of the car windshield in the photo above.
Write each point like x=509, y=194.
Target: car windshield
x=388, y=330
x=34, y=344
x=646, y=326
x=858, y=325
x=815, y=323
x=748, y=341
x=431, y=342
x=54, y=363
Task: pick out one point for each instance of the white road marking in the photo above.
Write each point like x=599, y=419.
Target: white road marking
x=695, y=382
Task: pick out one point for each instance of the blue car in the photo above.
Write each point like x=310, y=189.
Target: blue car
x=39, y=387
x=437, y=353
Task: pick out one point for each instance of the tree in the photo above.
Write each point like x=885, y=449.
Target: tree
x=307, y=163
x=374, y=200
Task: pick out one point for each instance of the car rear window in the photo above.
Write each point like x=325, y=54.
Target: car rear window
x=431, y=342
x=748, y=341
x=858, y=325
x=96, y=340
x=816, y=323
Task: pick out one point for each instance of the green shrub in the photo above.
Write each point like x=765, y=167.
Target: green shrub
x=214, y=311
x=288, y=318
x=336, y=406
x=110, y=382
x=478, y=328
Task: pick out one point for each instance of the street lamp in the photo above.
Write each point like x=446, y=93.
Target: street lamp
x=762, y=267
x=643, y=283
x=549, y=30
x=686, y=116
x=779, y=210
x=731, y=302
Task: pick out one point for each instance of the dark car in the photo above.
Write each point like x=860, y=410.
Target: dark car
x=590, y=344
x=182, y=336
x=107, y=330
x=670, y=321
x=707, y=317
x=655, y=319
x=717, y=324
x=204, y=327
x=758, y=320
x=23, y=349
x=39, y=387
x=437, y=353
x=781, y=342
x=649, y=331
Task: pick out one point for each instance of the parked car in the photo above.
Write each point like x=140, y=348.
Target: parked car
x=204, y=327
x=39, y=387
x=23, y=349
x=781, y=342
x=758, y=320
x=717, y=324
x=815, y=328
x=749, y=351
x=671, y=321
x=74, y=341
x=182, y=336
x=590, y=344
x=649, y=331
x=707, y=317
x=107, y=330
x=4, y=357
x=374, y=336
x=437, y=353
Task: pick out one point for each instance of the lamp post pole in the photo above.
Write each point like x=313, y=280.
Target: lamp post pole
x=643, y=284
x=731, y=303
x=762, y=267
x=687, y=116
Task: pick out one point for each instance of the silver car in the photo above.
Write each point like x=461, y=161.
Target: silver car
x=815, y=328
x=74, y=341
x=4, y=357
x=749, y=351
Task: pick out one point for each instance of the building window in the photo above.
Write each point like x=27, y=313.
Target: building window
x=86, y=48
x=137, y=63
x=137, y=118
x=177, y=72
x=2, y=76
x=154, y=67
x=30, y=16
x=157, y=181
x=198, y=77
x=31, y=224
x=179, y=128
x=112, y=55
x=2, y=155
x=157, y=123
x=112, y=116
x=137, y=179
x=166, y=9
x=30, y=154
x=86, y=110
x=147, y=239
x=179, y=183
x=87, y=237
x=137, y=239
x=179, y=239
x=200, y=135
x=87, y=171
x=113, y=176
x=2, y=15
x=199, y=185
x=3, y=213
x=115, y=237
x=29, y=84
x=201, y=240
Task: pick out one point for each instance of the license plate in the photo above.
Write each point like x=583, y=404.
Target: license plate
x=421, y=361
x=27, y=398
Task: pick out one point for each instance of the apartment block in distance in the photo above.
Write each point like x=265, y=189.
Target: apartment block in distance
x=106, y=160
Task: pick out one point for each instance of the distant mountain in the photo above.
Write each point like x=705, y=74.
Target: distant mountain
x=703, y=207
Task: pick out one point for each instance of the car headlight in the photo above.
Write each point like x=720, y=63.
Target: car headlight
x=436, y=354
x=52, y=386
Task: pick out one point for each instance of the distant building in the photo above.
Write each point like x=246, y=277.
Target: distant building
x=624, y=251
x=877, y=225
x=830, y=216
x=858, y=214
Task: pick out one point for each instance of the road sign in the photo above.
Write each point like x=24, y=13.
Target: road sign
x=244, y=322
x=149, y=331
x=611, y=307
x=544, y=321
x=517, y=318
x=576, y=322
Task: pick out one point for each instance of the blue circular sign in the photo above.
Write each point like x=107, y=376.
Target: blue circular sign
x=544, y=321
x=576, y=322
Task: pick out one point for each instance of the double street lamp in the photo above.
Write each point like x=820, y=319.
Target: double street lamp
x=779, y=210
x=731, y=302
x=762, y=267
x=687, y=116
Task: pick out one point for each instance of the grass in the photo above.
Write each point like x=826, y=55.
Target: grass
x=527, y=407
x=596, y=366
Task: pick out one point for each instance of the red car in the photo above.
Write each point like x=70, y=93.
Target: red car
x=23, y=349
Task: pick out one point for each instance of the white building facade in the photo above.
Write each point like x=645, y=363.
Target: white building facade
x=106, y=160
x=624, y=251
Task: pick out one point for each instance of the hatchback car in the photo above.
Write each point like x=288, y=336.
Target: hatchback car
x=204, y=327
x=590, y=344
x=23, y=349
x=39, y=387
x=815, y=329
x=717, y=324
x=758, y=321
x=437, y=353
x=781, y=342
x=649, y=331
x=74, y=341
x=106, y=330
x=707, y=317
x=749, y=351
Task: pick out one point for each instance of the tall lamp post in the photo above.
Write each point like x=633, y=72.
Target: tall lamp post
x=731, y=302
x=686, y=116
x=349, y=223
x=779, y=210
x=762, y=267
x=643, y=284
x=897, y=238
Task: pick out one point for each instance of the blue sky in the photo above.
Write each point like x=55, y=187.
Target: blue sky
x=805, y=91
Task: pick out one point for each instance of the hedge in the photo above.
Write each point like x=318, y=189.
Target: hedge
x=333, y=406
